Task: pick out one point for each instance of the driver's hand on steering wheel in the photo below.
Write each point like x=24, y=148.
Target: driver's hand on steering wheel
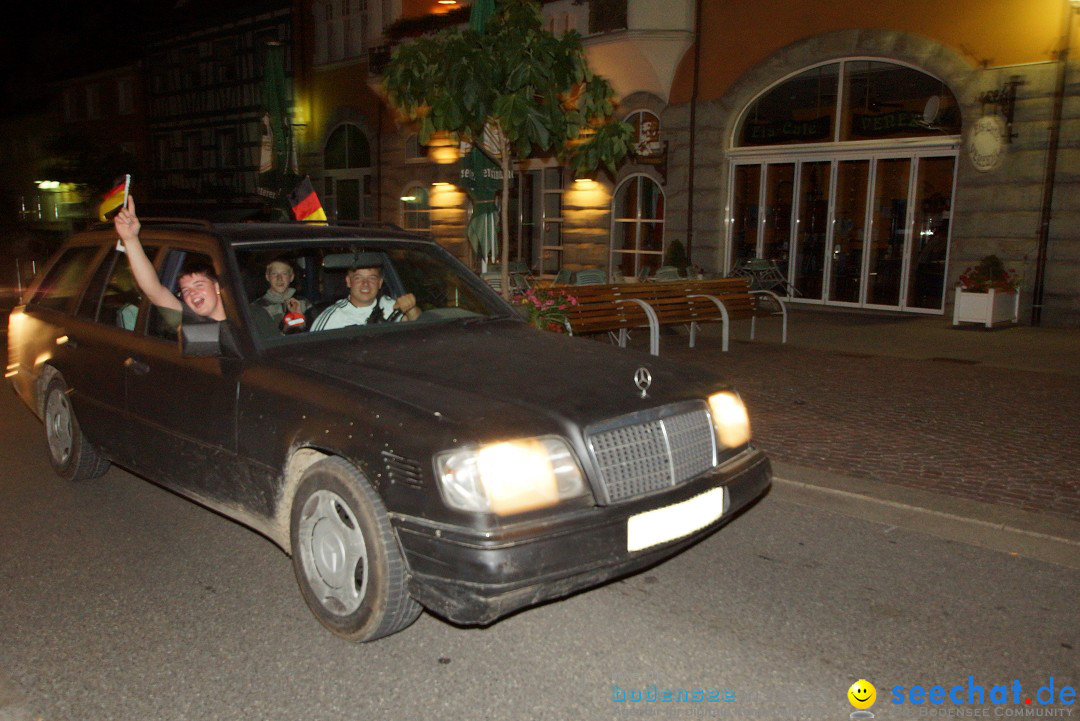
x=408, y=307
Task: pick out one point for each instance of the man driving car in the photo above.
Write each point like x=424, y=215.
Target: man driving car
x=364, y=305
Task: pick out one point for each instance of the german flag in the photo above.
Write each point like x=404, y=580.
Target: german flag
x=113, y=200
x=305, y=204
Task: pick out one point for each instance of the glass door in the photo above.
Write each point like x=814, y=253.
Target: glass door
x=862, y=230
x=849, y=224
x=888, y=232
x=929, y=247
x=811, y=229
x=744, y=212
x=637, y=242
x=523, y=215
x=776, y=221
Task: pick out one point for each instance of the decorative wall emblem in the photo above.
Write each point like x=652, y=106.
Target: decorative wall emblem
x=986, y=143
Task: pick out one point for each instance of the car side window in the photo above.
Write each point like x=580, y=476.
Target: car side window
x=64, y=279
x=88, y=306
x=163, y=322
x=112, y=297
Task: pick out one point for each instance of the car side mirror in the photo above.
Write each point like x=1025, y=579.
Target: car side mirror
x=201, y=339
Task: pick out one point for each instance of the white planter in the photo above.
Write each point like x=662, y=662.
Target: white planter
x=993, y=306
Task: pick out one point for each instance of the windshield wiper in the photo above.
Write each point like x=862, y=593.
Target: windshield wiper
x=483, y=319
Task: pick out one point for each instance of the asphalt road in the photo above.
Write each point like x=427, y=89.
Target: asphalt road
x=119, y=600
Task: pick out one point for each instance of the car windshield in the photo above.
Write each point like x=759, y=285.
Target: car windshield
x=338, y=286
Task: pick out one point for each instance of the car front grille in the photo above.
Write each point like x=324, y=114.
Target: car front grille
x=642, y=453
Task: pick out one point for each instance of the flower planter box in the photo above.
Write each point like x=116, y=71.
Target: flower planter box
x=993, y=306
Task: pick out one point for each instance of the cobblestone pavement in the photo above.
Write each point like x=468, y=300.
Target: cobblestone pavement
x=971, y=431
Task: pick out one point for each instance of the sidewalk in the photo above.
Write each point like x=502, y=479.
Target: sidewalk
x=974, y=431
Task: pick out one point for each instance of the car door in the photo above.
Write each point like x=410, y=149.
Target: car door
x=100, y=336
x=182, y=409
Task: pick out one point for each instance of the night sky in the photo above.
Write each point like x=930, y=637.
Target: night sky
x=45, y=41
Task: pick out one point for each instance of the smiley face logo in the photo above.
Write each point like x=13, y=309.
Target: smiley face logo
x=862, y=694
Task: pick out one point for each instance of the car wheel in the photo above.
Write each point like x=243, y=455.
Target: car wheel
x=72, y=456
x=346, y=557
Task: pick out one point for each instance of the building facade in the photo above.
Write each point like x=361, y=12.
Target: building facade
x=875, y=151
x=207, y=98
x=871, y=151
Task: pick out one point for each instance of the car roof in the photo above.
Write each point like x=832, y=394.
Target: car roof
x=237, y=234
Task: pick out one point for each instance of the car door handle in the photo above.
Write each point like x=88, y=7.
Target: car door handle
x=136, y=366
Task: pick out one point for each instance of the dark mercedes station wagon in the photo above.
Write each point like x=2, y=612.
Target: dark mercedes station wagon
x=462, y=462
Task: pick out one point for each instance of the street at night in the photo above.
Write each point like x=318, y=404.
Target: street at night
x=122, y=600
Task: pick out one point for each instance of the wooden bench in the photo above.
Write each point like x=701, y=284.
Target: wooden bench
x=604, y=309
x=619, y=308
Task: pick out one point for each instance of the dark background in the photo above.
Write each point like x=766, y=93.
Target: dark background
x=43, y=42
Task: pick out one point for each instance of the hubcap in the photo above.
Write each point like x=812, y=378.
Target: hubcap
x=333, y=553
x=58, y=427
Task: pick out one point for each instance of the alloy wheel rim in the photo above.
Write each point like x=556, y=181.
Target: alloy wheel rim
x=333, y=553
x=58, y=427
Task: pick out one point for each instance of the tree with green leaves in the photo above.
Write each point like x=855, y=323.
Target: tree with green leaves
x=509, y=86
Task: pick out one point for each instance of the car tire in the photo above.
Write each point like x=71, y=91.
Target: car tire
x=345, y=555
x=72, y=456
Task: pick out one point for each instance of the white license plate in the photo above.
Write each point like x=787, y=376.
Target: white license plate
x=675, y=521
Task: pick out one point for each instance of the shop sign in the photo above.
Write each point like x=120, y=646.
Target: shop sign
x=887, y=124
x=782, y=131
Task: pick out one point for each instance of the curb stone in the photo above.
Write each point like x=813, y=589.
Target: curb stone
x=988, y=525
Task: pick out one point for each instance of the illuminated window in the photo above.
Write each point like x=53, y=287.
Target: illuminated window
x=347, y=160
x=416, y=208
x=414, y=151
x=341, y=30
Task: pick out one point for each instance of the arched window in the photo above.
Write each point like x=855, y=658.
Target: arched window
x=637, y=233
x=416, y=208
x=348, y=173
x=851, y=100
x=842, y=178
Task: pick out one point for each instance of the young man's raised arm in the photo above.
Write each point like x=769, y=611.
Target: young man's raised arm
x=127, y=227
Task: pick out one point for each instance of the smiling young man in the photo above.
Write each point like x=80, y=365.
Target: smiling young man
x=279, y=300
x=198, y=283
x=364, y=305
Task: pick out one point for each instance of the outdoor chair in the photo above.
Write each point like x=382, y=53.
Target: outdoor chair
x=591, y=277
x=764, y=274
x=667, y=273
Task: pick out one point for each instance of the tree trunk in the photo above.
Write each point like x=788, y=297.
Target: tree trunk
x=507, y=165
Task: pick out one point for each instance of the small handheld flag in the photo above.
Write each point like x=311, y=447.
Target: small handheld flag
x=115, y=199
x=305, y=203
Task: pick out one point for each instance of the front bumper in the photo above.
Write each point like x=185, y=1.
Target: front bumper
x=474, y=578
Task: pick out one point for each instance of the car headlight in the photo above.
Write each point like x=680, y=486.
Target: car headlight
x=730, y=419
x=509, y=477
